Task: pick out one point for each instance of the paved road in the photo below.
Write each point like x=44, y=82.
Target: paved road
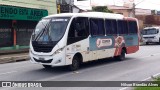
x=136, y=67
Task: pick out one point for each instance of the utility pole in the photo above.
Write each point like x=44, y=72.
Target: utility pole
x=134, y=10
x=64, y=6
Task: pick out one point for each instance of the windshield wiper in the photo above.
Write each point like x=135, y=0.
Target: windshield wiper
x=42, y=31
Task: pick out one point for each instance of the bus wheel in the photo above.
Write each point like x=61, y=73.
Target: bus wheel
x=47, y=66
x=121, y=57
x=75, y=64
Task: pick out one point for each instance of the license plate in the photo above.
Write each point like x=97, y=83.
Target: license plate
x=41, y=59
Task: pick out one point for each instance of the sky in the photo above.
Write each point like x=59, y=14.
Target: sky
x=145, y=4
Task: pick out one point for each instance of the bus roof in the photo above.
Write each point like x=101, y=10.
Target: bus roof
x=89, y=14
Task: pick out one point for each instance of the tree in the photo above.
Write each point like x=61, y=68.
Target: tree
x=101, y=9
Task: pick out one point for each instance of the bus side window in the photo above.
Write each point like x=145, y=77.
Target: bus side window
x=157, y=30
x=125, y=23
x=97, y=27
x=82, y=27
x=111, y=26
x=71, y=32
x=79, y=30
x=114, y=27
x=132, y=27
x=108, y=26
x=122, y=27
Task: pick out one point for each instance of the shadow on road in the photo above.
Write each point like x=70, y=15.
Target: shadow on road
x=40, y=73
x=152, y=44
x=90, y=64
x=101, y=62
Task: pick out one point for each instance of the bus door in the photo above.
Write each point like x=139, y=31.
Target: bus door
x=78, y=37
x=97, y=35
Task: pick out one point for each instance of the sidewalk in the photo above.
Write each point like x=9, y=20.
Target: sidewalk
x=6, y=58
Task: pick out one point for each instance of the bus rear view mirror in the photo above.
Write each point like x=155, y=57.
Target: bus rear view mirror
x=157, y=31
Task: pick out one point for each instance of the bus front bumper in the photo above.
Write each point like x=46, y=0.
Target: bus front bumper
x=56, y=60
x=151, y=40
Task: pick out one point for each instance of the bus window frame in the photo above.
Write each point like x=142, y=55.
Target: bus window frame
x=112, y=33
x=123, y=24
x=137, y=31
x=74, y=19
x=104, y=32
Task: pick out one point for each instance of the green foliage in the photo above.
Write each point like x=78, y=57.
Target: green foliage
x=158, y=79
x=101, y=9
x=147, y=88
x=150, y=88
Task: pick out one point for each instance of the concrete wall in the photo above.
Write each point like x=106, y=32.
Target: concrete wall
x=149, y=19
x=50, y=5
x=140, y=11
x=141, y=26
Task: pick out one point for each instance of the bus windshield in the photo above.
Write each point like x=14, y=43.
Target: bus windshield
x=50, y=29
x=149, y=31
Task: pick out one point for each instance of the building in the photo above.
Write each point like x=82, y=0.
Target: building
x=128, y=11
x=73, y=6
x=18, y=19
x=49, y=5
x=140, y=11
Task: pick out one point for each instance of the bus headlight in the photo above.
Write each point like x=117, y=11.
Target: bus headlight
x=58, y=51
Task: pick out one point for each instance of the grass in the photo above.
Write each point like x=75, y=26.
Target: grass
x=147, y=88
x=150, y=88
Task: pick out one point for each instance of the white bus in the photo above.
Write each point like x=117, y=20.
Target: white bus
x=151, y=35
x=74, y=38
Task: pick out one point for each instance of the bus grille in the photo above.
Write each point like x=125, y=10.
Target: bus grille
x=42, y=47
x=148, y=37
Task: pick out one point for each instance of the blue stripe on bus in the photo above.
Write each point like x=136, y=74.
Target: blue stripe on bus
x=131, y=40
x=106, y=42
x=93, y=42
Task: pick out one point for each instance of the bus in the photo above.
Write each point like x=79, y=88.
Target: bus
x=151, y=35
x=73, y=38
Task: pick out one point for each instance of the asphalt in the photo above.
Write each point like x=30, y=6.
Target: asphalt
x=137, y=67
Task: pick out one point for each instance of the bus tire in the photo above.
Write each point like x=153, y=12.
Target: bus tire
x=75, y=64
x=47, y=66
x=121, y=57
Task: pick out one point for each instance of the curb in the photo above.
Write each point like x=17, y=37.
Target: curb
x=14, y=59
x=4, y=52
